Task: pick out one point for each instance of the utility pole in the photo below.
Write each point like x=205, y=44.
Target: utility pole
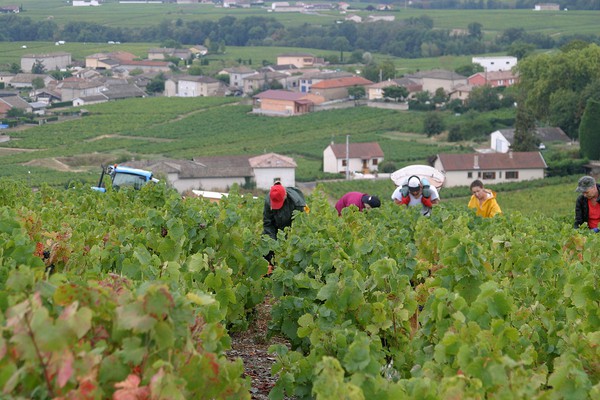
x=347, y=157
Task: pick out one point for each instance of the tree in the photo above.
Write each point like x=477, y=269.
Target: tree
x=589, y=132
x=398, y=93
x=14, y=68
x=38, y=67
x=38, y=83
x=433, y=124
x=342, y=44
x=356, y=92
x=157, y=84
x=469, y=69
x=525, y=139
x=484, y=98
x=520, y=49
x=476, y=30
x=557, y=86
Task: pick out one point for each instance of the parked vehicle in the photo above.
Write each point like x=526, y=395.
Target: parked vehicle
x=124, y=176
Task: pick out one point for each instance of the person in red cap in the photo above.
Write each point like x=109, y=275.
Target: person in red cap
x=279, y=209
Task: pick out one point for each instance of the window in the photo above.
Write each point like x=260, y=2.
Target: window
x=512, y=174
x=489, y=175
x=469, y=175
x=344, y=162
x=375, y=161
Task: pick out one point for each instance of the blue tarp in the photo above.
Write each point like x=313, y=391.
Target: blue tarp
x=3, y=126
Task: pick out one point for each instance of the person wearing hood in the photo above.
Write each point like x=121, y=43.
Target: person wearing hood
x=483, y=200
x=358, y=199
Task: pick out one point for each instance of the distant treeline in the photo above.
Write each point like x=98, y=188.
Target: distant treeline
x=408, y=38
x=495, y=4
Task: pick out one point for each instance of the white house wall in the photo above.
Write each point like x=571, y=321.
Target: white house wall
x=461, y=178
x=330, y=164
x=498, y=142
x=215, y=184
x=265, y=177
x=170, y=88
x=189, y=89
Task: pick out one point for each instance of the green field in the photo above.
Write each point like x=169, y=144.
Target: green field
x=139, y=15
x=186, y=128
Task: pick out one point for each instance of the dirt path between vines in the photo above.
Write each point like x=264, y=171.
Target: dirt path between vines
x=252, y=347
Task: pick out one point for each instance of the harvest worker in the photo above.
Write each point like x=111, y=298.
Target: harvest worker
x=587, y=205
x=358, y=199
x=416, y=192
x=278, y=211
x=483, y=200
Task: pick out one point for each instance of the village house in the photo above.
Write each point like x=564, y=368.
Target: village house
x=308, y=79
x=51, y=61
x=438, y=78
x=284, y=103
x=199, y=50
x=498, y=63
x=71, y=88
x=375, y=91
x=219, y=173
x=237, y=75
x=546, y=7
x=493, y=79
x=10, y=9
x=361, y=157
x=300, y=60
x=145, y=66
x=10, y=102
x=262, y=81
x=87, y=100
x=337, y=89
x=490, y=168
x=23, y=80
x=108, y=60
x=5, y=78
x=193, y=86
x=502, y=139
x=164, y=52
x=461, y=92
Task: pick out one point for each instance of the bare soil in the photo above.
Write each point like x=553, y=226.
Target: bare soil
x=252, y=347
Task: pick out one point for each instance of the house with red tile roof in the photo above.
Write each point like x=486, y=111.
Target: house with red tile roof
x=493, y=78
x=337, y=89
x=285, y=103
x=361, y=157
x=490, y=168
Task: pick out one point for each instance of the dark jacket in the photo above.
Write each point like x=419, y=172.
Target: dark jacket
x=274, y=220
x=582, y=210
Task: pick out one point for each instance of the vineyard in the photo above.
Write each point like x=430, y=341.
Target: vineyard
x=135, y=295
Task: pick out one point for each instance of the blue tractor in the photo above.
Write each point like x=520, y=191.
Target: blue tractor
x=122, y=176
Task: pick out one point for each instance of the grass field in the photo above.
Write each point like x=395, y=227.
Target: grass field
x=137, y=15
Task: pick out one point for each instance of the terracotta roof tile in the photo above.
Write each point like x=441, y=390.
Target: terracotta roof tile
x=342, y=82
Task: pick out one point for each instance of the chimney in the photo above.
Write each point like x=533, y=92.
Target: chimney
x=476, y=162
x=510, y=155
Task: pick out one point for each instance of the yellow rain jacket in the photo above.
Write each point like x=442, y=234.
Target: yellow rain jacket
x=490, y=206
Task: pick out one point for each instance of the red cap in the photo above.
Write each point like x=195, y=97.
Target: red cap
x=277, y=196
